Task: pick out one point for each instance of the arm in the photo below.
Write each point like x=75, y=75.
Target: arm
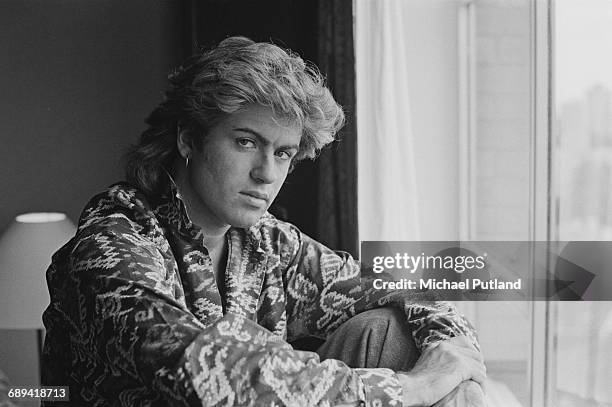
x=443, y=373
x=324, y=290
x=114, y=297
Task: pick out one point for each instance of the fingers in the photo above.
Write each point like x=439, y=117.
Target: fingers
x=475, y=361
x=462, y=341
x=468, y=359
x=478, y=372
x=447, y=364
x=472, y=364
x=466, y=394
x=463, y=346
x=468, y=348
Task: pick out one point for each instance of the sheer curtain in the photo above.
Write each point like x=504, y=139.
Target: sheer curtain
x=388, y=206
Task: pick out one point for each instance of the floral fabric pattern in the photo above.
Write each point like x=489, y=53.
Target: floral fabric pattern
x=136, y=317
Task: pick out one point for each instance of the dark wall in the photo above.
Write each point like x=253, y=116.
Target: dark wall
x=78, y=78
x=289, y=24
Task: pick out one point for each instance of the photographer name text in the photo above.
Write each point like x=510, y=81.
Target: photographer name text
x=444, y=284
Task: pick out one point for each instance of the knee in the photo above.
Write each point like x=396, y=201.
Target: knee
x=378, y=321
x=381, y=337
x=389, y=333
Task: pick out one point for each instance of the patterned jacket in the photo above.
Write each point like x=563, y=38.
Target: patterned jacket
x=136, y=318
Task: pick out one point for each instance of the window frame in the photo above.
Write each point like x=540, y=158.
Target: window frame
x=541, y=216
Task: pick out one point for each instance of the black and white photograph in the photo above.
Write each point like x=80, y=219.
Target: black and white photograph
x=306, y=203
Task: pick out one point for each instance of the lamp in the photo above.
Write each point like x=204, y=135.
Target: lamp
x=25, y=253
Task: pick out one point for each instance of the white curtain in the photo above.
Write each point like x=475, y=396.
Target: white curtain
x=388, y=205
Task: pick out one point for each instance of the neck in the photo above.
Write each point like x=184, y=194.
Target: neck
x=214, y=244
x=214, y=232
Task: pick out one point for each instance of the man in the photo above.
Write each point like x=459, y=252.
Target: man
x=180, y=289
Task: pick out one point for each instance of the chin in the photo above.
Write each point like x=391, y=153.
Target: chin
x=247, y=221
x=243, y=225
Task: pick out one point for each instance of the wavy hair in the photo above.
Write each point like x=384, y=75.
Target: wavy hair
x=215, y=83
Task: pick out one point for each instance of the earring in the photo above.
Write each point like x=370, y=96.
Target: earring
x=186, y=162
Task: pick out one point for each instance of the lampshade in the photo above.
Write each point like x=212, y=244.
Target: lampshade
x=25, y=253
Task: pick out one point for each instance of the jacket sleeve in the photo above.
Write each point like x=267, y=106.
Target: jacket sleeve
x=130, y=339
x=325, y=289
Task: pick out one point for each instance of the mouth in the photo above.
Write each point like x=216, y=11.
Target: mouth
x=256, y=197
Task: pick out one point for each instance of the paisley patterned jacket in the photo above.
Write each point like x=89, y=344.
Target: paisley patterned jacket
x=136, y=317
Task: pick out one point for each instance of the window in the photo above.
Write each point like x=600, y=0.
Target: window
x=445, y=94
x=581, y=333
x=496, y=117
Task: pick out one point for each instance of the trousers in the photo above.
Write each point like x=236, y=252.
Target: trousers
x=375, y=338
x=381, y=338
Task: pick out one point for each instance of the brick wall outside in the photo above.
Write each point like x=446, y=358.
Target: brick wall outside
x=502, y=173
x=502, y=119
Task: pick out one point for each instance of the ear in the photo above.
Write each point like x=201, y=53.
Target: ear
x=184, y=142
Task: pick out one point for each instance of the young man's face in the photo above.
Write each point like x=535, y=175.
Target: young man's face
x=234, y=177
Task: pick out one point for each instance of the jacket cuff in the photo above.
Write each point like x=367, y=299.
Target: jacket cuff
x=381, y=387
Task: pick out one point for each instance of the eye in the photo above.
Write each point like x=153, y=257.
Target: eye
x=245, y=142
x=285, y=155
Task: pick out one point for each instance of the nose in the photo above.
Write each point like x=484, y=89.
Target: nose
x=264, y=169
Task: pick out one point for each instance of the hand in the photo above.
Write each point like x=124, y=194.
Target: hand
x=440, y=369
x=467, y=394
